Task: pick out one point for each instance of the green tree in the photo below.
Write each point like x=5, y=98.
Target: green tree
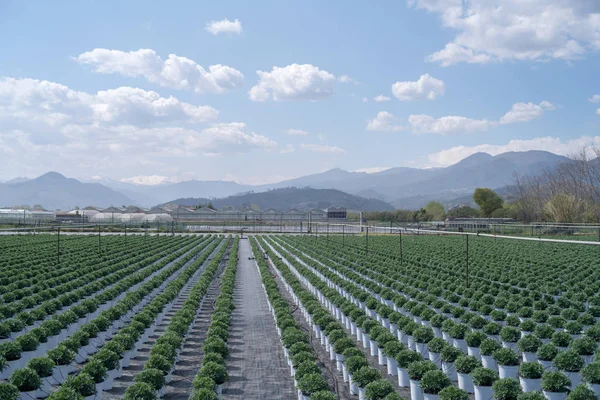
x=464, y=212
x=435, y=210
x=487, y=200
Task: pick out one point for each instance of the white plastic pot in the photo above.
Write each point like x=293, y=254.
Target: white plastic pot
x=555, y=395
x=416, y=393
x=422, y=349
x=427, y=396
x=392, y=366
x=489, y=362
x=508, y=371
x=483, y=392
x=575, y=378
x=403, y=380
x=530, y=385
x=382, y=359
x=460, y=344
x=373, y=348
x=474, y=351
x=465, y=382
x=449, y=370
x=529, y=356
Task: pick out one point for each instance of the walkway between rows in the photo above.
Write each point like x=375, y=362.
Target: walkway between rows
x=256, y=365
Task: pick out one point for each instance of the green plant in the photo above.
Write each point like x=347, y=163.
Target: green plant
x=151, y=376
x=433, y=381
x=555, y=382
x=61, y=355
x=510, y=334
x=378, y=390
x=10, y=350
x=216, y=372
x=591, y=373
x=466, y=364
x=407, y=357
x=204, y=382
x=529, y=343
x=488, y=347
x=584, y=346
x=436, y=345
x=42, y=366
x=161, y=362
x=312, y=383
x=484, y=376
x=506, y=357
x=143, y=391
x=323, y=395
x=423, y=334
x=366, y=375
x=582, y=392
x=417, y=369
x=506, y=389
x=306, y=368
x=453, y=393
x=8, y=391
x=568, y=361
x=82, y=384
x=531, y=370
x=475, y=338
x=547, y=352
x=450, y=354
x=561, y=339
x=535, y=395
x=26, y=379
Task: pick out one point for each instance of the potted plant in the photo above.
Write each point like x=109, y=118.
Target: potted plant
x=354, y=364
x=8, y=391
x=508, y=363
x=590, y=374
x=404, y=359
x=487, y=349
x=585, y=347
x=483, y=379
x=529, y=345
x=562, y=340
x=435, y=346
x=391, y=349
x=422, y=336
x=453, y=393
x=378, y=390
x=546, y=354
x=27, y=381
x=530, y=376
x=570, y=363
x=324, y=395
x=449, y=355
x=506, y=389
x=363, y=377
x=152, y=377
x=43, y=367
x=216, y=372
x=83, y=384
x=555, y=385
x=416, y=371
x=582, y=392
x=510, y=335
x=432, y=383
x=97, y=371
x=63, y=358
x=339, y=347
x=537, y=395
x=143, y=391
x=473, y=340
x=464, y=366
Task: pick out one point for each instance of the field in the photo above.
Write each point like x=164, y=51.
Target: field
x=297, y=316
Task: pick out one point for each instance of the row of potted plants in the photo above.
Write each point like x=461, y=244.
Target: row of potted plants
x=208, y=382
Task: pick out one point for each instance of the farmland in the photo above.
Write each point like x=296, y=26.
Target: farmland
x=297, y=316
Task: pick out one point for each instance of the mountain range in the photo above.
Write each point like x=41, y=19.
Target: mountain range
x=401, y=187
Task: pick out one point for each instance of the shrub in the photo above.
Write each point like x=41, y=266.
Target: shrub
x=323, y=395
x=161, y=362
x=96, y=370
x=407, y=357
x=342, y=344
x=423, y=334
x=10, y=350
x=143, y=391
x=312, y=383
x=506, y=357
x=556, y=382
x=591, y=373
x=453, y=393
x=568, y=361
x=366, y=375
x=355, y=363
x=417, y=369
x=466, y=364
x=151, y=376
x=484, y=377
x=378, y=390
x=82, y=384
x=582, y=392
x=110, y=359
x=42, y=366
x=28, y=342
x=474, y=339
x=531, y=370
x=204, y=382
x=547, y=352
x=306, y=368
x=26, y=379
x=510, y=334
x=529, y=343
x=450, y=354
x=489, y=346
x=436, y=345
x=527, y=325
x=506, y=389
x=535, y=395
x=393, y=396
x=8, y=391
x=216, y=372
x=391, y=349
x=561, y=339
x=433, y=381
x=584, y=346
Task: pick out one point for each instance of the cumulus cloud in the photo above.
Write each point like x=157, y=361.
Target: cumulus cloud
x=446, y=125
x=347, y=79
x=552, y=144
x=426, y=88
x=224, y=26
x=381, y=98
x=540, y=30
x=295, y=132
x=523, y=112
x=288, y=149
x=148, y=180
x=293, y=82
x=175, y=72
x=321, y=148
x=231, y=137
x=594, y=99
x=384, y=122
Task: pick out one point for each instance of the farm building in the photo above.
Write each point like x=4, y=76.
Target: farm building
x=336, y=213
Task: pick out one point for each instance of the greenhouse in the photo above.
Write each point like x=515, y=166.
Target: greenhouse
x=15, y=215
x=157, y=218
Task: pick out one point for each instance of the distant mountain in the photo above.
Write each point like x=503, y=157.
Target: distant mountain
x=284, y=199
x=54, y=191
x=18, y=179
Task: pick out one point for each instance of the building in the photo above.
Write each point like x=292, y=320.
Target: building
x=336, y=213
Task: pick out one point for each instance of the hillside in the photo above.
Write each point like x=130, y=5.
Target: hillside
x=302, y=199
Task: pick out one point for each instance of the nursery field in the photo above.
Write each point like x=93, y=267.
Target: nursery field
x=291, y=316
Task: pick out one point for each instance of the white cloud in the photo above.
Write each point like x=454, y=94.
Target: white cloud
x=523, y=112
x=233, y=137
x=384, y=122
x=538, y=30
x=33, y=103
x=320, y=148
x=381, y=98
x=426, y=88
x=348, y=79
x=149, y=180
x=552, y=144
x=293, y=82
x=288, y=149
x=446, y=125
x=365, y=100
x=296, y=132
x=371, y=170
x=224, y=26
x=176, y=72
x=594, y=99
x=598, y=111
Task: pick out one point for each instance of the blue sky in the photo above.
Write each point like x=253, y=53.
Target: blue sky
x=79, y=96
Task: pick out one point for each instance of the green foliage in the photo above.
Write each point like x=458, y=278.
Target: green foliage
x=556, y=382
x=487, y=200
x=378, y=390
x=506, y=389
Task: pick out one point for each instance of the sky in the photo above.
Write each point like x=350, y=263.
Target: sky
x=258, y=92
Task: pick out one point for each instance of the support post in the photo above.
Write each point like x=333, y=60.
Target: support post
x=58, y=247
x=367, y=237
x=401, y=254
x=467, y=259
